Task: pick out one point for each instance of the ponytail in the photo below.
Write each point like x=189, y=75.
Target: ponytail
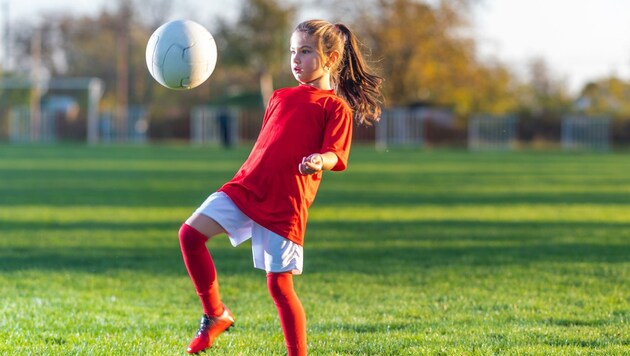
x=351, y=76
x=355, y=82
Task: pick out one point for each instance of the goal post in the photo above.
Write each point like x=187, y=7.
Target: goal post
x=41, y=120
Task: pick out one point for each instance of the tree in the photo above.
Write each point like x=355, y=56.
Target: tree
x=425, y=56
x=543, y=92
x=608, y=96
x=258, y=40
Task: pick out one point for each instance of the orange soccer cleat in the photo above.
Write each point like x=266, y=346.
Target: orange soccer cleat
x=209, y=329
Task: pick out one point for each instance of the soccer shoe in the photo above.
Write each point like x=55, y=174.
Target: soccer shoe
x=209, y=329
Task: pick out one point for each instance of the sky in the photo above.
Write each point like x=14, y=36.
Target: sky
x=580, y=40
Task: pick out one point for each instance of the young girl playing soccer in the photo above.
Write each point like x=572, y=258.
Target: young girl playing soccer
x=306, y=129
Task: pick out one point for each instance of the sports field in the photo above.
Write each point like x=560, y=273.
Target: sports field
x=407, y=253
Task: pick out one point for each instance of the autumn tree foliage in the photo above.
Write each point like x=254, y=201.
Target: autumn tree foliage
x=427, y=55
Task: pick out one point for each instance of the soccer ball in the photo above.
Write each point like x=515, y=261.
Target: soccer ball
x=181, y=54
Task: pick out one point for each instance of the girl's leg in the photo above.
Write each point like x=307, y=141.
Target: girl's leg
x=290, y=310
x=217, y=318
x=193, y=236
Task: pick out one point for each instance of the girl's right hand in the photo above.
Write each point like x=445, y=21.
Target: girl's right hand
x=311, y=164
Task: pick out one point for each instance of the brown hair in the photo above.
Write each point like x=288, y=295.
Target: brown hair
x=351, y=76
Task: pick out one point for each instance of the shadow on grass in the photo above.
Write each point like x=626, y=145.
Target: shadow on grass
x=392, y=260
x=340, y=198
x=414, y=246
x=382, y=248
x=160, y=260
x=148, y=189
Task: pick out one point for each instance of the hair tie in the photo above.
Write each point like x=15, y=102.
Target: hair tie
x=346, y=36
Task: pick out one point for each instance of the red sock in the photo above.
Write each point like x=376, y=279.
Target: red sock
x=292, y=317
x=201, y=269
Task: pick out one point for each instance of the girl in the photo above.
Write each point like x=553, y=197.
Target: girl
x=306, y=130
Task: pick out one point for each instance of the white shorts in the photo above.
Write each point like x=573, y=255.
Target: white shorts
x=271, y=252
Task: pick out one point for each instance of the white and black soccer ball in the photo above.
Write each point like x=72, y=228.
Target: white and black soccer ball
x=181, y=54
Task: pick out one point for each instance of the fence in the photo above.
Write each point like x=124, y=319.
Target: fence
x=109, y=130
x=53, y=126
x=400, y=127
x=215, y=126
x=493, y=133
x=585, y=133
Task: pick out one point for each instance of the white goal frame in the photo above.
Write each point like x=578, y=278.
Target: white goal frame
x=37, y=125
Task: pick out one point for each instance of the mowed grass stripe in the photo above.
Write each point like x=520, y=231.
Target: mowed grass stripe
x=577, y=213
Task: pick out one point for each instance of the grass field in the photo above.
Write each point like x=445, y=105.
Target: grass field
x=407, y=253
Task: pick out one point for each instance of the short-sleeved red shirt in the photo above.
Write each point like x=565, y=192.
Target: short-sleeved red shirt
x=268, y=187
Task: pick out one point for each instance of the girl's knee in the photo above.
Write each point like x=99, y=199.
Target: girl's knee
x=280, y=285
x=190, y=239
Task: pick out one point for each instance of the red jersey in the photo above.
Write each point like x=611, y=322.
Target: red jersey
x=268, y=187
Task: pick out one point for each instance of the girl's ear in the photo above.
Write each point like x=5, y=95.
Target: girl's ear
x=333, y=57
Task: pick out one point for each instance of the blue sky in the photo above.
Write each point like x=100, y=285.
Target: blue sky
x=581, y=40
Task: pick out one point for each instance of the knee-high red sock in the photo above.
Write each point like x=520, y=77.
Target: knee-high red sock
x=201, y=269
x=290, y=310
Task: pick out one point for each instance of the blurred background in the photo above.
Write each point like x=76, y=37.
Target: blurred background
x=479, y=74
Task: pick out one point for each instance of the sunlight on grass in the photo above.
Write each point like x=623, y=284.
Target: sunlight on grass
x=579, y=213
x=93, y=214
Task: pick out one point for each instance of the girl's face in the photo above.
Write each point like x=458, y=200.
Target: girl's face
x=306, y=63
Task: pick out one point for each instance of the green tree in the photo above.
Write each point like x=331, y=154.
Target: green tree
x=258, y=41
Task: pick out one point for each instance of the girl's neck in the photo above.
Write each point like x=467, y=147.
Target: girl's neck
x=322, y=83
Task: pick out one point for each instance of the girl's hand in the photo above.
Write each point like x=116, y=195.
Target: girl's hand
x=311, y=164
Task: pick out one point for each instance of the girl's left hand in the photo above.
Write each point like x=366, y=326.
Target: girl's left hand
x=311, y=164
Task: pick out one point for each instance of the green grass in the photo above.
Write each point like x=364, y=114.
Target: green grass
x=407, y=252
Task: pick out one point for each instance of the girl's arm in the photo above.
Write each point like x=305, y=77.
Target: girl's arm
x=318, y=162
